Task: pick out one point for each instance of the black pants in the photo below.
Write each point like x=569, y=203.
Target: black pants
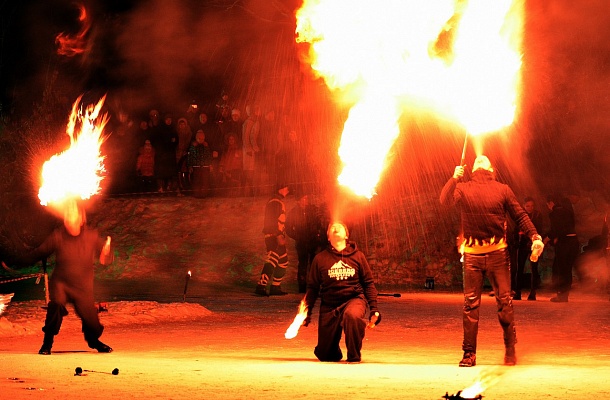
x=305, y=254
x=84, y=305
x=200, y=180
x=496, y=267
x=523, y=253
x=276, y=261
x=333, y=322
x=567, y=250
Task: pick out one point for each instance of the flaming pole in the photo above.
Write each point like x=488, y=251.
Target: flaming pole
x=186, y=285
x=464, y=150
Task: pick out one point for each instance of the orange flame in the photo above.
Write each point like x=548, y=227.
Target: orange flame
x=485, y=381
x=71, y=45
x=293, y=329
x=77, y=172
x=459, y=59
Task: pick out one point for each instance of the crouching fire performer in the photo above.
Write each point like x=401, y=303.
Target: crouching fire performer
x=341, y=276
x=484, y=204
x=75, y=247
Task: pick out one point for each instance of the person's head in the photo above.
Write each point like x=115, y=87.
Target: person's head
x=182, y=124
x=551, y=200
x=337, y=234
x=482, y=163
x=529, y=205
x=232, y=140
x=168, y=119
x=200, y=136
x=74, y=218
x=203, y=118
x=235, y=114
x=143, y=125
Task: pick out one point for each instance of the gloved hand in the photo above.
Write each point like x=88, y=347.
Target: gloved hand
x=374, y=319
x=306, y=321
x=458, y=172
x=537, y=248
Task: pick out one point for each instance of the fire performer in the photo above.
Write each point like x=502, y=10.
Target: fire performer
x=274, y=230
x=484, y=204
x=342, y=277
x=75, y=247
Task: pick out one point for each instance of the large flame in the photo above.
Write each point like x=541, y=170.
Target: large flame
x=293, y=329
x=457, y=58
x=76, y=173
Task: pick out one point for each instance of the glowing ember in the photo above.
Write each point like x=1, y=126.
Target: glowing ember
x=472, y=391
x=77, y=172
x=458, y=59
x=71, y=45
x=293, y=329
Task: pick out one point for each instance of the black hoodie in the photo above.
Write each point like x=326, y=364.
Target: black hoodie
x=337, y=277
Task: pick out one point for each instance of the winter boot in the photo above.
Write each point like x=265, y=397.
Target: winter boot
x=47, y=344
x=469, y=359
x=276, y=290
x=510, y=357
x=100, y=347
x=260, y=290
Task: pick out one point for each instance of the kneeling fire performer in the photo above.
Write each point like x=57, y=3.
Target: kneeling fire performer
x=484, y=204
x=75, y=247
x=342, y=277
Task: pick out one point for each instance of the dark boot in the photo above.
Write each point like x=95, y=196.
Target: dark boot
x=47, y=344
x=510, y=357
x=261, y=290
x=469, y=359
x=100, y=347
x=532, y=296
x=562, y=297
x=276, y=291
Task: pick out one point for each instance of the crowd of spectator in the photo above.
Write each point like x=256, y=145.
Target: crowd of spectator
x=204, y=151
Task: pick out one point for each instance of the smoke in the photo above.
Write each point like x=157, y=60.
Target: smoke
x=565, y=95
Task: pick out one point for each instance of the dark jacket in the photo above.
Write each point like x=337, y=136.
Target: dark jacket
x=562, y=222
x=304, y=225
x=275, y=216
x=484, y=204
x=337, y=277
x=74, y=256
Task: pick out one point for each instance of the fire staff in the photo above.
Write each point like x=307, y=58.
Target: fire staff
x=484, y=204
x=341, y=276
x=75, y=247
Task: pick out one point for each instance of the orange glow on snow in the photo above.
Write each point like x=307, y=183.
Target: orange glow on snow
x=71, y=45
x=76, y=173
x=293, y=329
x=459, y=59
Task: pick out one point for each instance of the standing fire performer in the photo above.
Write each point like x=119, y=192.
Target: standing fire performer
x=343, y=279
x=274, y=230
x=484, y=204
x=75, y=247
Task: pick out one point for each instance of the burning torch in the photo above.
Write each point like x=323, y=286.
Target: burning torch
x=463, y=160
x=293, y=329
x=186, y=285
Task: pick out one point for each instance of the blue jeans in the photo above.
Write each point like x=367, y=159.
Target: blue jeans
x=496, y=267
